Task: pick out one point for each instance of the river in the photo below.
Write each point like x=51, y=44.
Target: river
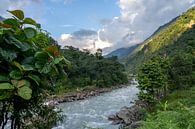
x=93, y=112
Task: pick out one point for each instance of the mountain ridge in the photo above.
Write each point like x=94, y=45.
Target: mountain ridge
x=156, y=44
x=121, y=52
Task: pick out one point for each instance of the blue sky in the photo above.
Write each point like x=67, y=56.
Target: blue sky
x=60, y=17
x=109, y=24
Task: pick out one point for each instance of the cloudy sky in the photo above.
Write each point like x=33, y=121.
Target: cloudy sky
x=105, y=24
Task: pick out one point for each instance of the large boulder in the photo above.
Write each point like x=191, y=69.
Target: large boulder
x=124, y=115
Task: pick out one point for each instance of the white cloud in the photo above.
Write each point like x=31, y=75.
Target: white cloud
x=65, y=37
x=138, y=20
x=84, y=39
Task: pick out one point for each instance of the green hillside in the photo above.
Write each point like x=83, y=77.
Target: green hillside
x=162, y=40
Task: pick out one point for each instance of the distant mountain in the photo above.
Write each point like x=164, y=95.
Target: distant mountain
x=121, y=52
x=1, y=18
x=160, y=43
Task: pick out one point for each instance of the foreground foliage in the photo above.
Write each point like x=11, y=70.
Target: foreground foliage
x=26, y=73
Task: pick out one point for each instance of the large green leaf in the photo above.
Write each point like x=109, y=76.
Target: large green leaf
x=17, y=43
x=29, y=32
x=18, y=13
x=25, y=92
x=7, y=55
x=29, y=21
x=6, y=86
x=15, y=74
x=35, y=78
x=41, y=59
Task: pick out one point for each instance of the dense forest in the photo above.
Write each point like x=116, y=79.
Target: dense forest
x=33, y=66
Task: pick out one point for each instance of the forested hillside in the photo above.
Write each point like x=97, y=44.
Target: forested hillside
x=166, y=75
x=160, y=42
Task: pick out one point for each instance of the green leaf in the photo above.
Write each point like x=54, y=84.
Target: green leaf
x=27, y=67
x=17, y=43
x=20, y=83
x=15, y=74
x=11, y=21
x=8, y=55
x=6, y=86
x=35, y=78
x=57, y=60
x=3, y=78
x=25, y=92
x=29, y=32
x=28, y=60
x=41, y=59
x=29, y=21
x=41, y=56
x=18, y=13
x=46, y=68
x=4, y=95
x=18, y=65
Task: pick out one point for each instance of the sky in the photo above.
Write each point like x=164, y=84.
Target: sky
x=93, y=24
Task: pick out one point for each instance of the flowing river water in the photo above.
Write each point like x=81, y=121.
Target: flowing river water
x=93, y=112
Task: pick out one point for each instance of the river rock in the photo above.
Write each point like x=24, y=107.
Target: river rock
x=129, y=116
x=115, y=120
x=124, y=115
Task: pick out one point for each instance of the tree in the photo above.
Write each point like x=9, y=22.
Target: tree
x=93, y=69
x=26, y=73
x=153, y=79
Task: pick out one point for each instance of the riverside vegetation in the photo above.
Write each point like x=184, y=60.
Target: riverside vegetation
x=33, y=67
x=166, y=74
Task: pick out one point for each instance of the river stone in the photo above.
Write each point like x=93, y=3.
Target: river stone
x=124, y=114
x=115, y=120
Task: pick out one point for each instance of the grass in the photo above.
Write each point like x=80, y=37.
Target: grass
x=176, y=111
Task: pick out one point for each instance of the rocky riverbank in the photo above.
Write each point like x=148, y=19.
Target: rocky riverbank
x=129, y=116
x=80, y=95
